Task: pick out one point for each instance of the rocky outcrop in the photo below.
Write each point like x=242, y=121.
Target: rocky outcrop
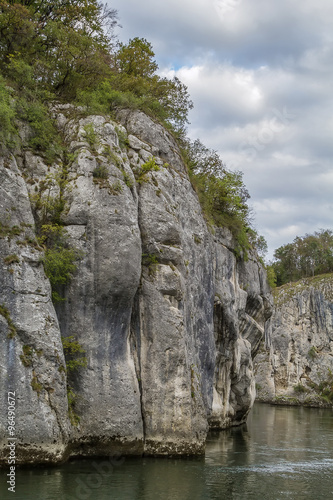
x=169, y=318
x=31, y=349
x=295, y=362
x=242, y=306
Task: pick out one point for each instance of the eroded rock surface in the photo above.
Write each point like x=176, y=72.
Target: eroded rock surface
x=31, y=350
x=168, y=317
x=295, y=363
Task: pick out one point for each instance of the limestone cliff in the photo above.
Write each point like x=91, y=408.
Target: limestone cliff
x=295, y=362
x=167, y=315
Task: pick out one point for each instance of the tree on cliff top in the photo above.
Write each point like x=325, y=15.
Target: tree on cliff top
x=63, y=44
x=135, y=80
x=222, y=193
x=306, y=256
x=136, y=58
x=65, y=50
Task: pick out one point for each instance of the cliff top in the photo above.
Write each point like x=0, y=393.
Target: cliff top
x=321, y=282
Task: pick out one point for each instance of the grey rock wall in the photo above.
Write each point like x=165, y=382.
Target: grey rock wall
x=168, y=317
x=29, y=329
x=295, y=362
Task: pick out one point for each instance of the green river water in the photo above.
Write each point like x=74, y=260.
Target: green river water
x=281, y=453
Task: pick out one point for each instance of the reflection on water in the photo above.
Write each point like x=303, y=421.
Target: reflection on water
x=281, y=453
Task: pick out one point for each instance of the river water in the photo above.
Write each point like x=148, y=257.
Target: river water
x=281, y=453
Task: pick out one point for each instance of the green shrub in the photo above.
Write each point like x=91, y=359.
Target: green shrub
x=115, y=188
x=7, y=115
x=74, y=360
x=27, y=355
x=44, y=138
x=71, y=397
x=101, y=172
x=52, y=235
x=5, y=314
x=7, y=231
x=149, y=166
x=72, y=351
x=36, y=385
x=300, y=388
x=11, y=259
x=150, y=261
x=91, y=136
x=104, y=99
x=59, y=265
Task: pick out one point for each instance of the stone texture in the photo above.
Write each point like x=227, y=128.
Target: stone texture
x=167, y=315
x=242, y=305
x=40, y=388
x=297, y=354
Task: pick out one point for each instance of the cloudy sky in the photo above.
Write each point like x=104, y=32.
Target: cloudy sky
x=260, y=74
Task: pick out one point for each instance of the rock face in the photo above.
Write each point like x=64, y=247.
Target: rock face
x=169, y=318
x=295, y=363
x=31, y=349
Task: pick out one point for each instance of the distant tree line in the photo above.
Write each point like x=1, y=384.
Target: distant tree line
x=306, y=256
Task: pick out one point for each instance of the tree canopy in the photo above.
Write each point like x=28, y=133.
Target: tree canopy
x=58, y=46
x=306, y=256
x=67, y=50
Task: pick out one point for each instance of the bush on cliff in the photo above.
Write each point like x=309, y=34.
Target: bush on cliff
x=222, y=193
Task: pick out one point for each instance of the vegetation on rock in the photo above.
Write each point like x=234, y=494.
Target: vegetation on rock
x=74, y=361
x=66, y=51
x=4, y=312
x=222, y=194
x=286, y=292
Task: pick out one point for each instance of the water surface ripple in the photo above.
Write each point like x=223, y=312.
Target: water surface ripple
x=282, y=453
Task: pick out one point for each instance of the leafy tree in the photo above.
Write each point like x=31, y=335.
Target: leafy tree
x=66, y=43
x=136, y=58
x=173, y=101
x=136, y=74
x=271, y=276
x=305, y=256
x=65, y=50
